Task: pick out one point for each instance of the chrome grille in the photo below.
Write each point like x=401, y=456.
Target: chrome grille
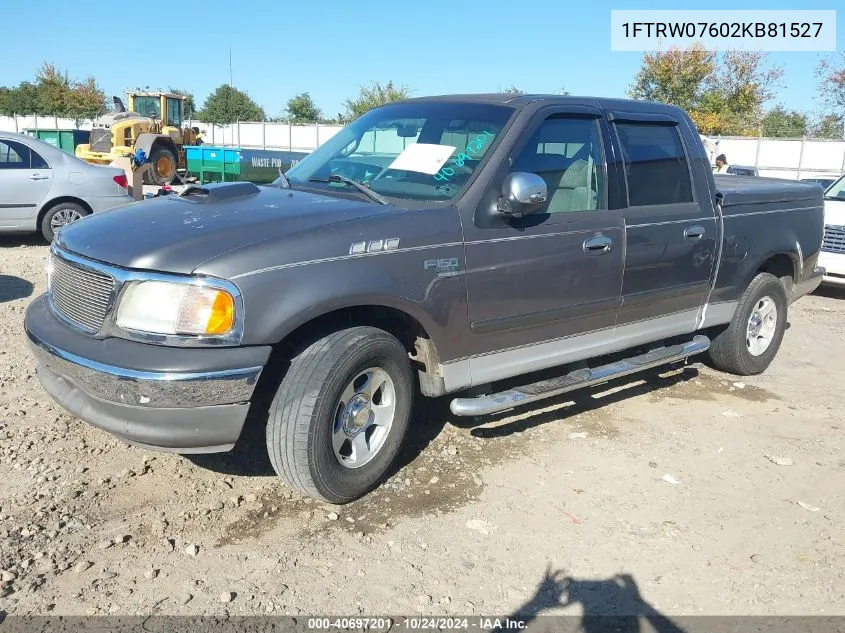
x=834, y=239
x=78, y=294
x=100, y=140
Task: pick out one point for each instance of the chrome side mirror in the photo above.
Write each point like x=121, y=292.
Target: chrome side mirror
x=523, y=193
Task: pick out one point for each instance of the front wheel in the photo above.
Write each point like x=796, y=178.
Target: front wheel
x=750, y=342
x=163, y=162
x=340, y=414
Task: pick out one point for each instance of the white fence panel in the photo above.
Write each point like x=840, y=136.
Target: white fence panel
x=738, y=151
x=251, y=134
x=777, y=153
x=824, y=155
x=303, y=137
x=277, y=135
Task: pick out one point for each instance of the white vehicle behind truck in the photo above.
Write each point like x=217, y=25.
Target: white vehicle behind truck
x=832, y=256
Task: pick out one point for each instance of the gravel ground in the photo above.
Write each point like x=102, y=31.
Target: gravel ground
x=685, y=490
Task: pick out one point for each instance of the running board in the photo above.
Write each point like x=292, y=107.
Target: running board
x=504, y=400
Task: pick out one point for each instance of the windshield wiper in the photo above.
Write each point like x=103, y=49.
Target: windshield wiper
x=372, y=195
x=284, y=182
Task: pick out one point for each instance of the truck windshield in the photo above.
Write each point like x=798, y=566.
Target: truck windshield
x=836, y=191
x=415, y=150
x=148, y=107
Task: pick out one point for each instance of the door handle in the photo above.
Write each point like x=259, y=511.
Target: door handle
x=38, y=177
x=598, y=245
x=693, y=233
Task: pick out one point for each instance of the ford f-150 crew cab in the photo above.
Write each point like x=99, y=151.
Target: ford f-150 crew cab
x=498, y=248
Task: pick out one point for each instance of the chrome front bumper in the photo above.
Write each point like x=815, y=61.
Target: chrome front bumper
x=155, y=390
x=177, y=400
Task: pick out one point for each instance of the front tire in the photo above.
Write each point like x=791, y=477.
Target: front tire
x=750, y=342
x=60, y=215
x=340, y=414
x=163, y=161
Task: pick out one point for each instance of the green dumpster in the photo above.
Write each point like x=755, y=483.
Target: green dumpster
x=65, y=140
x=210, y=163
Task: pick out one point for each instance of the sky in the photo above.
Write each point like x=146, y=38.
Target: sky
x=330, y=48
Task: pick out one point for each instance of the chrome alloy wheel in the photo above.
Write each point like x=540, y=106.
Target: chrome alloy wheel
x=761, y=326
x=363, y=417
x=63, y=217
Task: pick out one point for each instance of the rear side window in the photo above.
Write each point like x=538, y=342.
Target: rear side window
x=37, y=162
x=655, y=164
x=14, y=155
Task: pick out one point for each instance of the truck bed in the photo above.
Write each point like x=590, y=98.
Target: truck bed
x=745, y=190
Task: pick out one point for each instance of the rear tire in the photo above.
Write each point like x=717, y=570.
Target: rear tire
x=340, y=414
x=750, y=342
x=163, y=162
x=59, y=215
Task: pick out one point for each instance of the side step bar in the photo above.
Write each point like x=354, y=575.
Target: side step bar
x=502, y=401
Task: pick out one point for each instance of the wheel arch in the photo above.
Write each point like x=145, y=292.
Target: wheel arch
x=45, y=208
x=400, y=322
x=149, y=140
x=786, y=266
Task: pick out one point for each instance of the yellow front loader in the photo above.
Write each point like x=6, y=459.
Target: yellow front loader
x=153, y=124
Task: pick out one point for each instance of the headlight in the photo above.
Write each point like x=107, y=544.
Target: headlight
x=161, y=307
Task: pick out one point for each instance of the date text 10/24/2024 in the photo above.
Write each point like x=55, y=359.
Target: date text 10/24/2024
x=418, y=623
x=472, y=151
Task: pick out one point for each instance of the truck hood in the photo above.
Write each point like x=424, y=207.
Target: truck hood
x=834, y=212
x=176, y=234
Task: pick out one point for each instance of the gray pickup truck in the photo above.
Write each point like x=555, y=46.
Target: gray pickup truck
x=500, y=248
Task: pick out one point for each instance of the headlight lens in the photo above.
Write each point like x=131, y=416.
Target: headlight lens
x=161, y=307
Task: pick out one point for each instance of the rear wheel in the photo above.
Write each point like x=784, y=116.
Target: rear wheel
x=340, y=414
x=163, y=161
x=60, y=215
x=750, y=342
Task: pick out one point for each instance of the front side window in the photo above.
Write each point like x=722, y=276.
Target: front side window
x=565, y=151
x=655, y=164
x=174, y=112
x=14, y=155
x=425, y=151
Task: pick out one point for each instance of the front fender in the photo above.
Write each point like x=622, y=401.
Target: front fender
x=279, y=301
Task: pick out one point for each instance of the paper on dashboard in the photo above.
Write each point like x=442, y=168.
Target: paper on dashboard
x=426, y=158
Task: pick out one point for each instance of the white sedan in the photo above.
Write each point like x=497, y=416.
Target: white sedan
x=832, y=257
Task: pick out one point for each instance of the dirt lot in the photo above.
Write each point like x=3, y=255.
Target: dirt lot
x=558, y=509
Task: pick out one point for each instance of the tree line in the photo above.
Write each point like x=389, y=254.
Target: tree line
x=54, y=93
x=725, y=93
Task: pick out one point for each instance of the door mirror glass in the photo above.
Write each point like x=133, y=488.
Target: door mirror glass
x=522, y=193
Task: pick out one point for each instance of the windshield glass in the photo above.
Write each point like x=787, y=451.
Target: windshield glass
x=148, y=107
x=418, y=150
x=836, y=190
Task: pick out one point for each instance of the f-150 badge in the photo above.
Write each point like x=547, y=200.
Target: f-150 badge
x=445, y=267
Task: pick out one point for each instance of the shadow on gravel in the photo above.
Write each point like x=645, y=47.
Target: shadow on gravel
x=12, y=288
x=249, y=457
x=583, y=400
x=831, y=292
x=22, y=239
x=613, y=604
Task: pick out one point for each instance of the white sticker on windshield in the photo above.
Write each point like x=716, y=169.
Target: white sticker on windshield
x=425, y=158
